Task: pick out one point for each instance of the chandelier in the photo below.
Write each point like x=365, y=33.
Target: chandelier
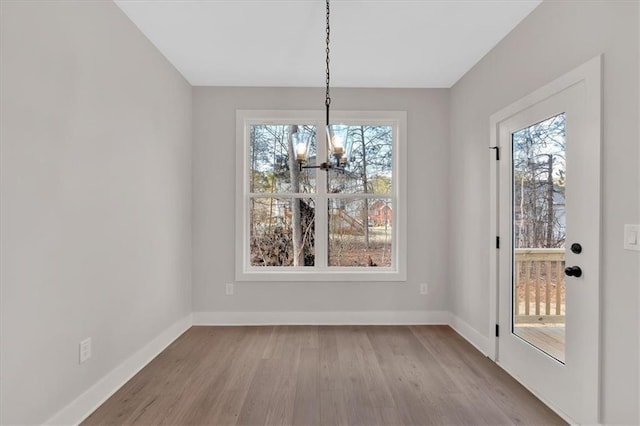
x=337, y=143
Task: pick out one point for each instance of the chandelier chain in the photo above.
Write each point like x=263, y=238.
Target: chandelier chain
x=327, y=101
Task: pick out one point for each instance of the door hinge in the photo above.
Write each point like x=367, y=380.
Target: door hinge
x=497, y=148
x=497, y=330
x=497, y=242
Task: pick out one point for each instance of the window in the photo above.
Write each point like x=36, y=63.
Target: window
x=281, y=234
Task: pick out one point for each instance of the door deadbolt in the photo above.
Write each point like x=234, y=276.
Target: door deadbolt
x=576, y=248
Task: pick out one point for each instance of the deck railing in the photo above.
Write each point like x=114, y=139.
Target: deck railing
x=540, y=291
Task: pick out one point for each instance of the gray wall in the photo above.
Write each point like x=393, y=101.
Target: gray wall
x=553, y=39
x=96, y=199
x=214, y=201
x=96, y=208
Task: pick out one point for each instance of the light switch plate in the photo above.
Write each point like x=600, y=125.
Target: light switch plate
x=632, y=237
x=85, y=350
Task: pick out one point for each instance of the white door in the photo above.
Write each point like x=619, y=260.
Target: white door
x=547, y=216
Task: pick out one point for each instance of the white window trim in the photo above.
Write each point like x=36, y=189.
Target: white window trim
x=398, y=272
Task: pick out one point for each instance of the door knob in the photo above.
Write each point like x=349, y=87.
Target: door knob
x=573, y=271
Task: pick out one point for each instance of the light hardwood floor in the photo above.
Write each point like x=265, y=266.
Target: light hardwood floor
x=322, y=375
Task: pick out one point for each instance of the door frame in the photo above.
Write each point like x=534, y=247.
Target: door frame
x=591, y=73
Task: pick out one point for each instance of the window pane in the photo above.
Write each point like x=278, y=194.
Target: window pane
x=272, y=160
x=282, y=231
x=370, y=167
x=360, y=232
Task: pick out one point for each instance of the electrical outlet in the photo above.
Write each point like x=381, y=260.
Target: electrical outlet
x=424, y=288
x=85, y=350
x=228, y=289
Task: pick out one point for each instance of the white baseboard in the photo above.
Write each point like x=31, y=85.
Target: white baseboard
x=472, y=335
x=322, y=318
x=80, y=408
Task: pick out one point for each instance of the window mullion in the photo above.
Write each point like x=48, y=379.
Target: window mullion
x=322, y=205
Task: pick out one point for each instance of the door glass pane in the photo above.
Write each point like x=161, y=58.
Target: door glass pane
x=360, y=232
x=539, y=227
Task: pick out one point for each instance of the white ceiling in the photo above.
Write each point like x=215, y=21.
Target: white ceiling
x=374, y=43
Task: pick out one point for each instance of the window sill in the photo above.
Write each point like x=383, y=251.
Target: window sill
x=333, y=275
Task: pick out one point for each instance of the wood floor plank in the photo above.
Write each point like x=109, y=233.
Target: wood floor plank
x=490, y=389
x=258, y=398
x=329, y=375
x=224, y=394
x=359, y=407
x=416, y=380
x=379, y=390
x=306, y=407
x=333, y=409
x=271, y=395
x=368, y=398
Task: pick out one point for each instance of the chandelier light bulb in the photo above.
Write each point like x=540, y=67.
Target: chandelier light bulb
x=301, y=151
x=338, y=144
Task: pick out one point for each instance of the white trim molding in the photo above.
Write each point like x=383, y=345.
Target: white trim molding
x=85, y=404
x=321, y=271
x=470, y=334
x=322, y=318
